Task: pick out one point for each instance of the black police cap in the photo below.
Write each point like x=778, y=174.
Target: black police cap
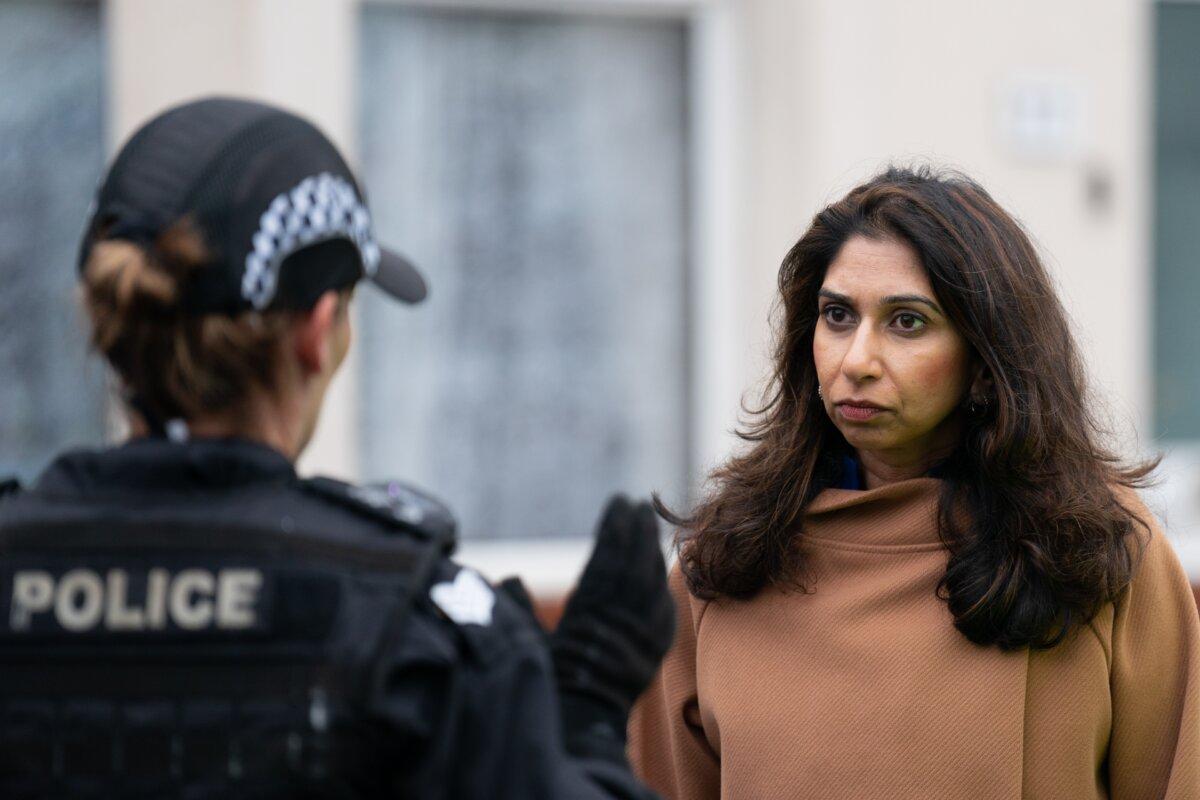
x=280, y=212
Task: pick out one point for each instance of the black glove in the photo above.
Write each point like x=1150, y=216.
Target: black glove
x=615, y=630
x=516, y=591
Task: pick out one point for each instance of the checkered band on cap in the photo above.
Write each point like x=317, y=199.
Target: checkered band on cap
x=321, y=207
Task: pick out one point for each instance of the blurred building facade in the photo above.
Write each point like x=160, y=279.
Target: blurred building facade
x=602, y=190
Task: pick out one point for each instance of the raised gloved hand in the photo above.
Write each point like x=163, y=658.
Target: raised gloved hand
x=615, y=630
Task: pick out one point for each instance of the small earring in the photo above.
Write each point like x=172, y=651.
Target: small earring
x=978, y=407
x=820, y=394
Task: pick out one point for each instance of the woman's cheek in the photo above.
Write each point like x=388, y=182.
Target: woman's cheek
x=935, y=380
x=825, y=358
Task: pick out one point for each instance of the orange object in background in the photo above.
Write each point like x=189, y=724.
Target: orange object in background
x=549, y=610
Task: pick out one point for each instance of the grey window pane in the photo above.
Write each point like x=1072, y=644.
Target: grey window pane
x=535, y=166
x=1177, y=223
x=51, y=126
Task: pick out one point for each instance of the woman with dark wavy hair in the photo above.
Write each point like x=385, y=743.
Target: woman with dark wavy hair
x=926, y=576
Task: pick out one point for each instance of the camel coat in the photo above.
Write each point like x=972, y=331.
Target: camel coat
x=863, y=689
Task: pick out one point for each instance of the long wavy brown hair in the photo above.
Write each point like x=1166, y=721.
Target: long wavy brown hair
x=1044, y=541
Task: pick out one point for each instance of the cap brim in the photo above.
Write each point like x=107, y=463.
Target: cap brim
x=397, y=276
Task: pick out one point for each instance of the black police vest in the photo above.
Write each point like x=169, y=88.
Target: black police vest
x=223, y=647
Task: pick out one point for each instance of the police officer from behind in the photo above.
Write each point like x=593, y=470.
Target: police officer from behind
x=184, y=616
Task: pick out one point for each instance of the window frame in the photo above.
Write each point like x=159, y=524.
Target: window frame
x=549, y=568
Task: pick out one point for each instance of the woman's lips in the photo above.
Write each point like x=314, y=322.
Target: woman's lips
x=855, y=413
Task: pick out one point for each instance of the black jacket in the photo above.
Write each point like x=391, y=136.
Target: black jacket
x=195, y=620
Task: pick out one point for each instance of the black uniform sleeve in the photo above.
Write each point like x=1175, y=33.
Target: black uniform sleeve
x=474, y=711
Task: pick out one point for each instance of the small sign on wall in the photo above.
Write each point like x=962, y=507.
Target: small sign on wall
x=1041, y=117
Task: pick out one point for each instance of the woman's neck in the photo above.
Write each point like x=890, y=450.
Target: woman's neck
x=881, y=467
x=879, y=471
x=259, y=420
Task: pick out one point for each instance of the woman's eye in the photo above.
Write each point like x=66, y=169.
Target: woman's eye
x=909, y=322
x=836, y=315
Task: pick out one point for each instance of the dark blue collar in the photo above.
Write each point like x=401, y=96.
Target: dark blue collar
x=849, y=474
x=158, y=464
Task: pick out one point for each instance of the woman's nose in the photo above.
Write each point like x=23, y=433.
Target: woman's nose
x=862, y=359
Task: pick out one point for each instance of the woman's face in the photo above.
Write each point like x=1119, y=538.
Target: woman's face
x=892, y=368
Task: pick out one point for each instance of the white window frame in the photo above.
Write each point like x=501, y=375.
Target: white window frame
x=550, y=567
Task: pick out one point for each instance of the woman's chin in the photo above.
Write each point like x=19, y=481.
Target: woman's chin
x=867, y=437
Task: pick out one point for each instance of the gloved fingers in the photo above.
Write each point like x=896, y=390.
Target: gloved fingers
x=636, y=567
x=614, y=535
x=648, y=561
x=516, y=591
x=651, y=625
x=613, y=652
x=627, y=556
x=615, y=528
x=647, y=519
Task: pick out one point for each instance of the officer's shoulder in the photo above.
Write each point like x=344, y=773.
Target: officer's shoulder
x=395, y=506
x=482, y=616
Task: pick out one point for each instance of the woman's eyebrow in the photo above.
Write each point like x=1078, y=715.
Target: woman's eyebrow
x=835, y=297
x=890, y=300
x=898, y=299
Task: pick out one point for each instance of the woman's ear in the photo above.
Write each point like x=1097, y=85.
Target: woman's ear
x=983, y=388
x=313, y=333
